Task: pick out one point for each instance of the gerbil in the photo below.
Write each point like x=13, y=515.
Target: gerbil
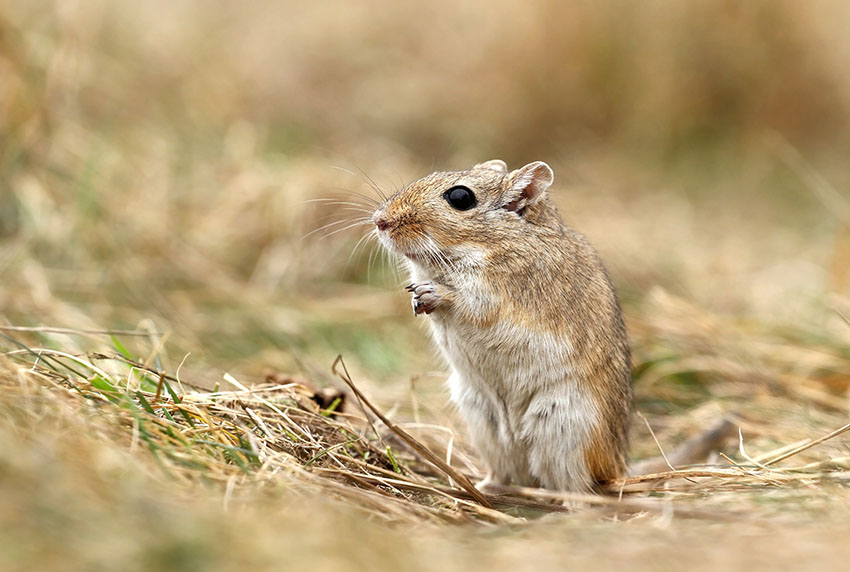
x=526, y=316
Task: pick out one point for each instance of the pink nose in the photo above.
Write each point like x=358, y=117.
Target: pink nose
x=380, y=222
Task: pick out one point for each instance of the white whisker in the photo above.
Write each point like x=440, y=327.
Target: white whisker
x=350, y=225
x=329, y=201
x=373, y=184
x=369, y=266
x=369, y=201
x=367, y=179
x=363, y=240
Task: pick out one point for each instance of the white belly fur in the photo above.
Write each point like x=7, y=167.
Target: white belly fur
x=519, y=393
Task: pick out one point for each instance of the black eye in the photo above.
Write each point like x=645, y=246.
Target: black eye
x=460, y=198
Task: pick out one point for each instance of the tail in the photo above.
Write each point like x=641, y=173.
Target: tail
x=694, y=450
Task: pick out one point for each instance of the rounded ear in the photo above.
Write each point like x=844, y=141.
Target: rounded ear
x=494, y=165
x=526, y=185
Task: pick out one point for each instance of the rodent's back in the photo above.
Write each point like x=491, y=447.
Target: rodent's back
x=564, y=288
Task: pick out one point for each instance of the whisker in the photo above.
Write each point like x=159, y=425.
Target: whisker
x=437, y=257
x=445, y=257
x=397, y=265
x=401, y=275
x=369, y=266
x=343, y=229
x=366, y=178
x=337, y=221
x=363, y=240
x=362, y=222
x=429, y=253
x=335, y=202
x=373, y=184
x=355, y=210
x=368, y=201
x=372, y=201
x=385, y=261
x=335, y=217
x=449, y=262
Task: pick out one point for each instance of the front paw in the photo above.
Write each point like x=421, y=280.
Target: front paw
x=426, y=297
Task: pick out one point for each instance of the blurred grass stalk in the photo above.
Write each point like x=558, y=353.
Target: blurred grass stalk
x=160, y=157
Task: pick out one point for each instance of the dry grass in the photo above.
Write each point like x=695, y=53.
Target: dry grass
x=96, y=442
x=159, y=167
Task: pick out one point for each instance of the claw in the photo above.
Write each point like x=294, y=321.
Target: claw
x=425, y=290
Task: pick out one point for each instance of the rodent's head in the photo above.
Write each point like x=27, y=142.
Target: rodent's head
x=458, y=217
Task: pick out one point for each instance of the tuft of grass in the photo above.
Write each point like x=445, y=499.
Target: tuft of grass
x=276, y=431
x=176, y=478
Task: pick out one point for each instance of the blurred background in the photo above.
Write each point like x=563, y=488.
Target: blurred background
x=161, y=161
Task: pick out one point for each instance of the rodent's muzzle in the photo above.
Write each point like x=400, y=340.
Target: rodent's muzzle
x=387, y=227
x=397, y=232
x=380, y=220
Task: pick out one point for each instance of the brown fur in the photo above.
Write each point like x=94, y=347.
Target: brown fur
x=538, y=275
